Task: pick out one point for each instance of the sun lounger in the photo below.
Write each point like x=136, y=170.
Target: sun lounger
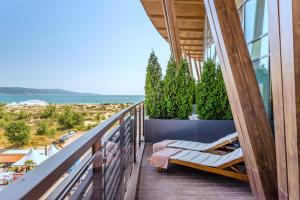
x=226, y=165
x=196, y=146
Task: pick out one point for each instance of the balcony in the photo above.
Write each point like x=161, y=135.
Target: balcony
x=114, y=165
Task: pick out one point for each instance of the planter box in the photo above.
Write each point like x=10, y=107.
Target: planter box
x=157, y=130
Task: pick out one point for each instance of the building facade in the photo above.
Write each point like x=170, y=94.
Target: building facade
x=254, y=20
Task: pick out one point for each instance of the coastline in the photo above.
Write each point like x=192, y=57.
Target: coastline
x=71, y=99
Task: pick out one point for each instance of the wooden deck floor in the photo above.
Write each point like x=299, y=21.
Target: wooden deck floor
x=180, y=183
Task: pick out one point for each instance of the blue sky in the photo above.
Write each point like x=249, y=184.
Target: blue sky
x=99, y=46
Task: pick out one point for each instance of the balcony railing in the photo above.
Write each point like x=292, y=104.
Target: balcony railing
x=98, y=165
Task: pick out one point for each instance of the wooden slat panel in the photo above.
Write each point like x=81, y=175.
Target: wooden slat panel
x=285, y=37
x=250, y=117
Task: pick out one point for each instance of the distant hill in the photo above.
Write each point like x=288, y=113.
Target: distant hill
x=21, y=90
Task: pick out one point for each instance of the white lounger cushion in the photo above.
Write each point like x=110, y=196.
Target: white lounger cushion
x=198, y=146
x=207, y=159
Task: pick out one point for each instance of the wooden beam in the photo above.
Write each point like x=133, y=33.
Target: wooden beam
x=194, y=30
x=185, y=17
x=200, y=69
x=197, y=70
x=284, y=30
x=191, y=45
x=170, y=19
x=191, y=38
x=190, y=65
x=185, y=57
x=189, y=2
x=253, y=126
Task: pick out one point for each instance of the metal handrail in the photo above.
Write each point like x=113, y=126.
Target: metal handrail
x=37, y=182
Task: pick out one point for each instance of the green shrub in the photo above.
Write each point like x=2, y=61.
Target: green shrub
x=103, y=118
x=170, y=90
x=223, y=106
x=49, y=112
x=70, y=119
x=185, y=91
x=211, y=96
x=205, y=108
x=6, y=116
x=52, y=132
x=3, y=123
x=153, y=89
x=43, y=128
x=17, y=133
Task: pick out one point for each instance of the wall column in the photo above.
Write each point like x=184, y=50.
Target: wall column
x=284, y=33
x=190, y=65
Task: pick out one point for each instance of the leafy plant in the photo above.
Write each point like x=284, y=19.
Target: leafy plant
x=170, y=90
x=17, y=133
x=29, y=164
x=185, y=91
x=153, y=88
x=70, y=119
x=23, y=115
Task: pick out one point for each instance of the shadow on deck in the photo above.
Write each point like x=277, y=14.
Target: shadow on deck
x=181, y=183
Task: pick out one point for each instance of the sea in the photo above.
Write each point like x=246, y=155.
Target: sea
x=71, y=99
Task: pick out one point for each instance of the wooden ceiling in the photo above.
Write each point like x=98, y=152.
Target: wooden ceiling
x=189, y=20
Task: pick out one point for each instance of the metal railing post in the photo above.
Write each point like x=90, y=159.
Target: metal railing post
x=143, y=119
x=97, y=171
x=122, y=157
x=134, y=132
x=140, y=125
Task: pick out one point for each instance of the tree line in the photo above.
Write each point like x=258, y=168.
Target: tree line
x=172, y=96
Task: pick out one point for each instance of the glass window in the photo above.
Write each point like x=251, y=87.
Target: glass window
x=256, y=19
x=241, y=15
x=262, y=72
x=217, y=60
x=259, y=48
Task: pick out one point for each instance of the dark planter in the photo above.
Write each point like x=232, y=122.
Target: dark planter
x=157, y=130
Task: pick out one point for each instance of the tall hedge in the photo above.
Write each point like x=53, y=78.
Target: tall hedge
x=170, y=90
x=211, y=96
x=205, y=86
x=185, y=91
x=153, y=88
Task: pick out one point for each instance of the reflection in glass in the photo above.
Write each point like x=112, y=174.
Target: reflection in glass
x=213, y=51
x=262, y=72
x=256, y=19
x=259, y=48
